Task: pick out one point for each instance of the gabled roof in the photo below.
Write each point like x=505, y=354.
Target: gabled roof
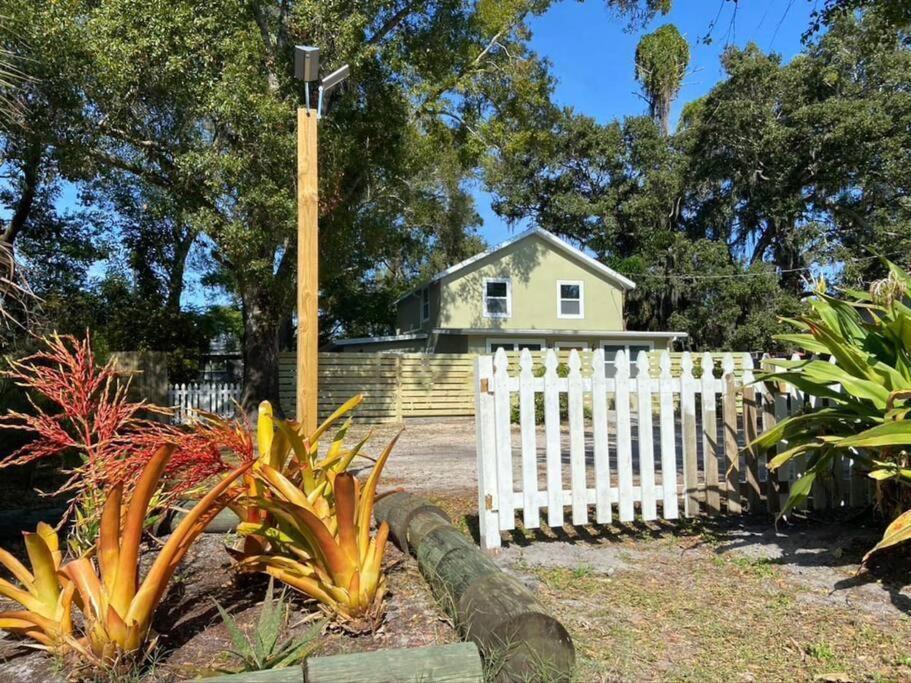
x=568, y=249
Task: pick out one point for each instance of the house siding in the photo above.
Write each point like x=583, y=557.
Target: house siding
x=534, y=267
x=408, y=311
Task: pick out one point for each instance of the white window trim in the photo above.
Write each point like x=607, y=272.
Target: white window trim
x=484, y=311
x=424, y=291
x=581, y=346
x=560, y=313
x=490, y=341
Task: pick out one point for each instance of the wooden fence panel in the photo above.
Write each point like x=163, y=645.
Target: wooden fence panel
x=399, y=386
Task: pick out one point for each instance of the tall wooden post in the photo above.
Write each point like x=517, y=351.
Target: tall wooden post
x=307, y=269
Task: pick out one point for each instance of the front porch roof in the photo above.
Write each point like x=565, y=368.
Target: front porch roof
x=379, y=340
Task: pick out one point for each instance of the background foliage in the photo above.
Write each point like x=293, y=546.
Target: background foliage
x=154, y=155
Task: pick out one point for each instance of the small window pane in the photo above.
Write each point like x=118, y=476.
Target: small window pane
x=569, y=291
x=530, y=347
x=506, y=346
x=569, y=307
x=497, y=289
x=497, y=306
x=610, y=351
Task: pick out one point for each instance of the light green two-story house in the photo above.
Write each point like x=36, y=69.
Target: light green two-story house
x=533, y=291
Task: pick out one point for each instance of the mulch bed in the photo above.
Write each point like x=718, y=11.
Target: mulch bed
x=194, y=642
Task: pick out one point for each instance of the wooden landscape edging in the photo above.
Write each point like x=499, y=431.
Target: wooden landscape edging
x=451, y=663
x=517, y=638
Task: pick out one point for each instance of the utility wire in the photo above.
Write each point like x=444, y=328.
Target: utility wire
x=777, y=271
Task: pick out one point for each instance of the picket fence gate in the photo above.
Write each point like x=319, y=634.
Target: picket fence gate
x=663, y=444
x=210, y=397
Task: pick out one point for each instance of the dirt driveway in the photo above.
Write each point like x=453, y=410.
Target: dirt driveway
x=698, y=600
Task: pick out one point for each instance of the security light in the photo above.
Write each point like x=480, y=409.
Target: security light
x=334, y=78
x=306, y=63
x=327, y=84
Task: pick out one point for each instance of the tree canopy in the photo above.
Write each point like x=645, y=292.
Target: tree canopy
x=779, y=172
x=155, y=154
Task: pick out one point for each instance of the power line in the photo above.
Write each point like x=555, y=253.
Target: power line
x=777, y=271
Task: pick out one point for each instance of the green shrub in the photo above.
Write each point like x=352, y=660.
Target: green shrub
x=562, y=371
x=868, y=334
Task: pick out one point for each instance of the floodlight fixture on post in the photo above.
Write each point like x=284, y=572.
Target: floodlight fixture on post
x=306, y=69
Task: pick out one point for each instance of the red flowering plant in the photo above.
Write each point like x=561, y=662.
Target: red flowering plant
x=85, y=409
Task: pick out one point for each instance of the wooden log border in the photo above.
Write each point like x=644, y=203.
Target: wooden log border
x=517, y=638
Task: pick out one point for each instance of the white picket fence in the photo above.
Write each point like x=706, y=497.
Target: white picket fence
x=663, y=444
x=210, y=397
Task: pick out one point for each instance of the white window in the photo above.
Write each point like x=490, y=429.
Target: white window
x=515, y=344
x=570, y=299
x=425, y=304
x=497, y=298
x=567, y=345
x=630, y=350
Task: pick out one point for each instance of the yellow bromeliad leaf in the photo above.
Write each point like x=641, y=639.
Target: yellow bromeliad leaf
x=46, y=597
x=265, y=430
x=899, y=531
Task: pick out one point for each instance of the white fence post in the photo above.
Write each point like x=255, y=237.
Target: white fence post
x=688, y=387
x=599, y=435
x=485, y=435
x=577, y=441
x=646, y=449
x=624, y=437
x=502, y=419
x=671, y=503
x=553, y=450
x=530, y=517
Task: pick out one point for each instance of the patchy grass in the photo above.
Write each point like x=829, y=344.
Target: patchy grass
x=702, y=599
x=676, y=614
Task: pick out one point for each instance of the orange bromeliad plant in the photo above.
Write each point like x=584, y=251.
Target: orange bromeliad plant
x=117, y=608
x=314, y=530
x=284, y=449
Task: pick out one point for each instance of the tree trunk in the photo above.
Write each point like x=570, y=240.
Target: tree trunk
x=260, y=349
x=177, y=269
x=25, y=202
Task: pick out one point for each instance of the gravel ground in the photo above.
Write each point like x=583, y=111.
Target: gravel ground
x=706, y=599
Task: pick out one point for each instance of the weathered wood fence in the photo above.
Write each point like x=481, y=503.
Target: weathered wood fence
x=395, y=386
x=639, y=440
x=412, y=385
x=210, y=397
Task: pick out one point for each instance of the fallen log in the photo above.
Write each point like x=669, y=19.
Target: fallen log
x=399, y=510
x=516, y=636
x=520, y=639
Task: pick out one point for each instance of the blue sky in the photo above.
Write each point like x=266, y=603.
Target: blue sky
x=592, y=55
